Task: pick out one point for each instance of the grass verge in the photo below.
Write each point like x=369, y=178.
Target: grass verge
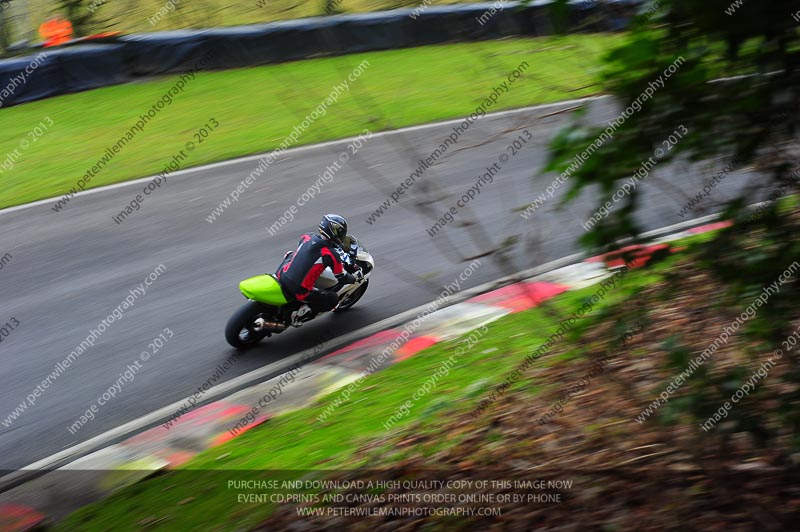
x=258, y=107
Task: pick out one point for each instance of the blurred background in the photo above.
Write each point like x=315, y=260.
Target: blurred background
x=605, y=190
x=22, y=18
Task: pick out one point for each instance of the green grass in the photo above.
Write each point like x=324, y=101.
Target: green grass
x=300, y=446
x=258, y=107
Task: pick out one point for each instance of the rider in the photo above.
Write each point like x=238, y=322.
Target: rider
x=300, y=271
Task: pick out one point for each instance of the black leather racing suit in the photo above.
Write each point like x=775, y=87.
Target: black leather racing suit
x=300, y=272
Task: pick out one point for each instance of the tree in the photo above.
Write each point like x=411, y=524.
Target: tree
x=5, y=28
x=733, y=99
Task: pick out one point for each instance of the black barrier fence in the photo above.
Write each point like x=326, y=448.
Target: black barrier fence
x=80, y=67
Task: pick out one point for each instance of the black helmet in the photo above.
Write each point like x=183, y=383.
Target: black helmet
x=333, y=227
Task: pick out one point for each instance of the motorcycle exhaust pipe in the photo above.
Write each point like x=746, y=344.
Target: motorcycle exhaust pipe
x=261, y=324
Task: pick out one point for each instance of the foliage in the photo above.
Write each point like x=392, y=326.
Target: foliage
x=736, y=94
x=82, y=14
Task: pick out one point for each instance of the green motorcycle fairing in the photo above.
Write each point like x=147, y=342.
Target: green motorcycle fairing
x=263, y=288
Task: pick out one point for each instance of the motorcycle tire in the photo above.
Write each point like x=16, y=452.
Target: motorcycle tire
x=239, y=330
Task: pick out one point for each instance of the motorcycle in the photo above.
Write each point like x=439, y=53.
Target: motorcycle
x=269, y=308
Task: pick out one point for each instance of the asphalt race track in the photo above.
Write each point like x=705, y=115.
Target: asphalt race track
x=73, y=268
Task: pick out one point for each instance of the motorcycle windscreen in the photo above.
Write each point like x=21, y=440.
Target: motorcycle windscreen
x=263, y=288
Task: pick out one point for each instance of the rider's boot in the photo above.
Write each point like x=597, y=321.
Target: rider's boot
x=301, y=315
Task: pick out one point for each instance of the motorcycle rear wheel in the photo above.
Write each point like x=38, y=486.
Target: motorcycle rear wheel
x=239, y=330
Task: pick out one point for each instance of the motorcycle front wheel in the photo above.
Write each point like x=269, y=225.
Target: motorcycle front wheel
x=353, y=298
x=239, y=331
